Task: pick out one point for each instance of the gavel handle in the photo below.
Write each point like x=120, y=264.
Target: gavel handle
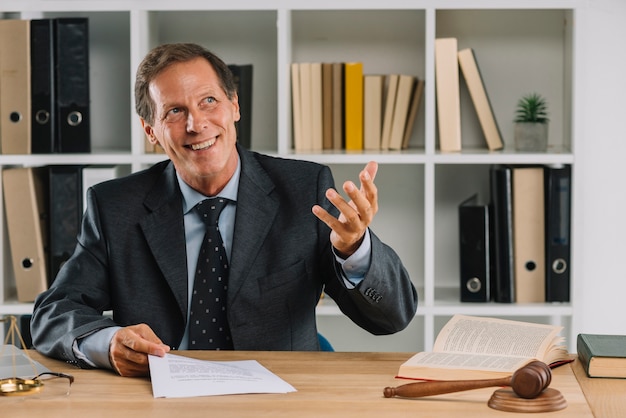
x=419, y=389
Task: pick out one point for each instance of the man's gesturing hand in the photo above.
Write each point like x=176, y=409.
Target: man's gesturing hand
x=355, y=216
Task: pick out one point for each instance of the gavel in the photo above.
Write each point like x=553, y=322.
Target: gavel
x=527, y=382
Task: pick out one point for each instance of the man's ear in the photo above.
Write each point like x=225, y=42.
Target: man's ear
x=235, y=102
x=147, y=128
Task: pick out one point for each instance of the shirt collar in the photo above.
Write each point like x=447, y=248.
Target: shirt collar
x=192, y=197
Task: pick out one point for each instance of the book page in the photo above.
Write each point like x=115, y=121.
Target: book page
x=468, y=361
x=465, y=334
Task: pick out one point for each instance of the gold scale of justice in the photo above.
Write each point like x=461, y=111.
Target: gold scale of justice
x=17, y=386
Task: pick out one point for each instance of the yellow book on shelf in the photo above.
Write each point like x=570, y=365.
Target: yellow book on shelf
x=353, y=105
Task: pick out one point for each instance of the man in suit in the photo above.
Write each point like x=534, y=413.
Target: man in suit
x=288, y=233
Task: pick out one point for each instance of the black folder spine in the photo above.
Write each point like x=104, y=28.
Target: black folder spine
x=475, y=251
x=243, y=79
x=66, y=211
x=558, y=186
x=42, y=86
x=72, y=85
x=502, y=202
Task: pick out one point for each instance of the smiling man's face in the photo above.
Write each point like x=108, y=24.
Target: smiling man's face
x=194, y=123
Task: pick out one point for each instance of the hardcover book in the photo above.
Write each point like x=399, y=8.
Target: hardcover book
x=448, y=100
x=478, y=93
x=602, y=355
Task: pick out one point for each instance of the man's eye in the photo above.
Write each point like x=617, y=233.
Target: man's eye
x=174, y=114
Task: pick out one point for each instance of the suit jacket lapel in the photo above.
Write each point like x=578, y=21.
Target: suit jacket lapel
x=256, y=210
x=165, y=233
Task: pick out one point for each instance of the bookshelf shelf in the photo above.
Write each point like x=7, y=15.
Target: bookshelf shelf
x=419, y=188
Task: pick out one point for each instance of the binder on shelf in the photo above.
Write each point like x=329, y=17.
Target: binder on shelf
x=529, y=234
x=15, y=92
x=72, y=85
x=243, y=79
x=475, y=250
x=478, y=93
x=558, y=188
x=65, y=214
x=42, y=86
x=353, y=105
x=447, y=89
x=25, y=199
x=502, y=219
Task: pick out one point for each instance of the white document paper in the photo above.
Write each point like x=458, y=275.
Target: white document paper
x=176, y=376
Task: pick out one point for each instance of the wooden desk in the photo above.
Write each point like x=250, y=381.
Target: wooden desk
x=327, y=383
x=606, y=397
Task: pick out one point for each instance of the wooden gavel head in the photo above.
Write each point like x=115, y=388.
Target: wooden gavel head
x=527, y=382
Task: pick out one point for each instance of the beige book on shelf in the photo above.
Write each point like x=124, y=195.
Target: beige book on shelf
x=317, y=128
x=306, y=106
x=416, y=99
x=478, y=93
x=470, y=347
x=448, y=100
x=391, y=91
x=372, y=110
x=338, y=136
x=401, y=111
x=327, y=105
x=15, y=91
x=25, y=203
x=529, y=234
x=296, y=107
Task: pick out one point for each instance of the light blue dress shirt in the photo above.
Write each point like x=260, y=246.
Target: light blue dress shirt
x=94, y=348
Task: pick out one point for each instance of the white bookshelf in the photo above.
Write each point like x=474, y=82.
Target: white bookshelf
x=522, y=46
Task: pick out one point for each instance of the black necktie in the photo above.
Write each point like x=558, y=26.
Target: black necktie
x=208, y=323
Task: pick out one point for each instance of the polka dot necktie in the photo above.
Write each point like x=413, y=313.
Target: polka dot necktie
x=208, y=323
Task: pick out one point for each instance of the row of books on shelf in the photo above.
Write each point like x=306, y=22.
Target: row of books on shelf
x=44, y=207
x=335, y=106
x=448, y=60
x=44, y=86
x=515, y=248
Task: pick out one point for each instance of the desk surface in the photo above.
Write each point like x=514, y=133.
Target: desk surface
x=327, y=383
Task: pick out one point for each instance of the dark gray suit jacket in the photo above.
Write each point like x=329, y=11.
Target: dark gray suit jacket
x=131, y=259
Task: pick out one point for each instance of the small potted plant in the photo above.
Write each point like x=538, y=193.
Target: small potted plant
x=531, y=123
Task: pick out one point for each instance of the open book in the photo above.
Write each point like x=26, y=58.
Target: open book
x=471, y=347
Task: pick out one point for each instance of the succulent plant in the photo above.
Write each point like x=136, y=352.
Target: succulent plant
x=532, y=108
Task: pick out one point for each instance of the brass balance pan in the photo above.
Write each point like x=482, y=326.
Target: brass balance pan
x=15, y=386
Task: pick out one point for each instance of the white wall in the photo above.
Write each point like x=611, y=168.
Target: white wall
x=601, y=282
